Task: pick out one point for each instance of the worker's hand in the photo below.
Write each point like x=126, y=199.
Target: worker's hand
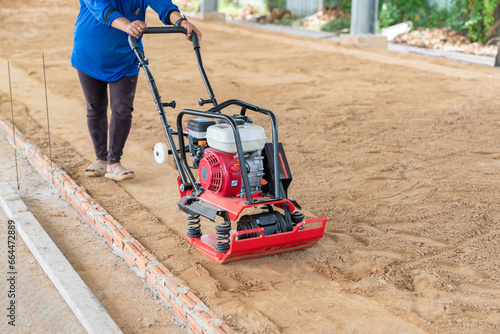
x=136, y=28
x=191, y=29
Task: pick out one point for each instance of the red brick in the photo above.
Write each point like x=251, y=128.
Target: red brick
x=71, y=192
x=129, y=259
x=187, y=301
x=45, y=172
x=97, y=211
x=72, y=200
x=80, y=196
x=211, y=314
x=195, y=327
x=214, y=329
x=125, y=234
x=116, y=225
x=181, y=314
x=8, y=128
x=226, y=328
x=131, y=248
x=205, y=317
x=164, y=269
x=81, y=210
x=117, y=237
x=56, y=183
x=171, y=287
x=193, y=297
x=63, y=193
x=37, y=164
x=108, y=237
x=99, y=229
x=141, y=262
x=61, y=177
x=151, y=280
x=164, y=295
x=148, y=255
x=160, y=270
x=38, y=158
x=90, y=220
x=156, y=271
x=110, y=225
x=69, y=184
x=102, y=219
x=87, y=196
x=113, y=221
x=46, y=162
x=139, y=246
x=85, y=205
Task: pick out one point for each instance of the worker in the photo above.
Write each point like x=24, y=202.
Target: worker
x=497, y=58
x=102, y=57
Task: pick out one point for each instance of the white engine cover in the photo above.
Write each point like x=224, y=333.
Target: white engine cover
x=221, y=137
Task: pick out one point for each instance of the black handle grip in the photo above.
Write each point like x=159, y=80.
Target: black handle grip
x=164, y=30
x=201, y=101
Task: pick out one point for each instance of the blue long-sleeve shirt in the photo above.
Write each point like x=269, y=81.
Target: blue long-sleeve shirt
x=103, y=52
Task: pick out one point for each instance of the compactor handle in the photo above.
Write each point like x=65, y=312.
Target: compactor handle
x=164, y=30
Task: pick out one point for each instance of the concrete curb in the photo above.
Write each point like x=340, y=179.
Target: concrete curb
x=84, y=304
x=189, y=310
x=394, y=47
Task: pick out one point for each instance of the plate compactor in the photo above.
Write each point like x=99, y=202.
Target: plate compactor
x=238, y=168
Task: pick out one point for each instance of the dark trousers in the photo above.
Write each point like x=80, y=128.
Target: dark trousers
x=121, y=97
x=497, y=58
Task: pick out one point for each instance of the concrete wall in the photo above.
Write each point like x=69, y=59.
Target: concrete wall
x=303, y=7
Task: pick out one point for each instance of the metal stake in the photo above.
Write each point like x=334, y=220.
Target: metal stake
x=13, y=127
x=47, y=110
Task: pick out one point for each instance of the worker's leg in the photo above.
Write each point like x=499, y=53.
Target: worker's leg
x=497, y=59
x=96, y=97
x=121, y=94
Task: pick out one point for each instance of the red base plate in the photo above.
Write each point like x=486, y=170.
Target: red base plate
x=262, y=245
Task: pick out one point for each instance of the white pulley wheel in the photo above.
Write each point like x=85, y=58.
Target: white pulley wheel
x=161, y=153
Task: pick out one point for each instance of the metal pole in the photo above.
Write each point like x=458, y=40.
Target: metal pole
x=207, y=6
x=364, y=15
x=321, y=4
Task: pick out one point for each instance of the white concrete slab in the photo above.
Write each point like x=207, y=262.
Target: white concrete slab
x=87, y=308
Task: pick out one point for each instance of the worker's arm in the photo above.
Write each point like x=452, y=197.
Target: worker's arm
x=175, y=16
x=134, y=29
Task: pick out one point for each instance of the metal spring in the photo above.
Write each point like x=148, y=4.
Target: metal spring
x=297, y=217
x=223, y=242
x=194, y=226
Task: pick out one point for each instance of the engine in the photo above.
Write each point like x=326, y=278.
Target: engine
x=197, y=134
x=219, y=169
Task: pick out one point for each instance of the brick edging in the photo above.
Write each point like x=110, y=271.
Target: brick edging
x=188, y=309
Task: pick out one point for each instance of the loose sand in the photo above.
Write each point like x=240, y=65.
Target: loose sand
x=401, y=151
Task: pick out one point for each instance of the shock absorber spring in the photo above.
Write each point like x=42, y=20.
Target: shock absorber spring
x=297, y=217
x=194, y=226
x=223, y=241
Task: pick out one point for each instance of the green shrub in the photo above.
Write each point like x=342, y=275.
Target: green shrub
x=480, y=16
x=271, y=4
x=472, y=17
x=337, y=24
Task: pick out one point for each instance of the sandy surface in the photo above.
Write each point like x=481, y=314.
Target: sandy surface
x=401, y=151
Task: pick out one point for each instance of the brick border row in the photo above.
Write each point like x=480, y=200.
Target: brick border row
x=189, y=310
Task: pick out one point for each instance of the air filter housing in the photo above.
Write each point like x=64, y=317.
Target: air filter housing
x=221, y=137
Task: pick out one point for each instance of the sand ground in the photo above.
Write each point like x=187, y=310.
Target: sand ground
x=400, y=151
